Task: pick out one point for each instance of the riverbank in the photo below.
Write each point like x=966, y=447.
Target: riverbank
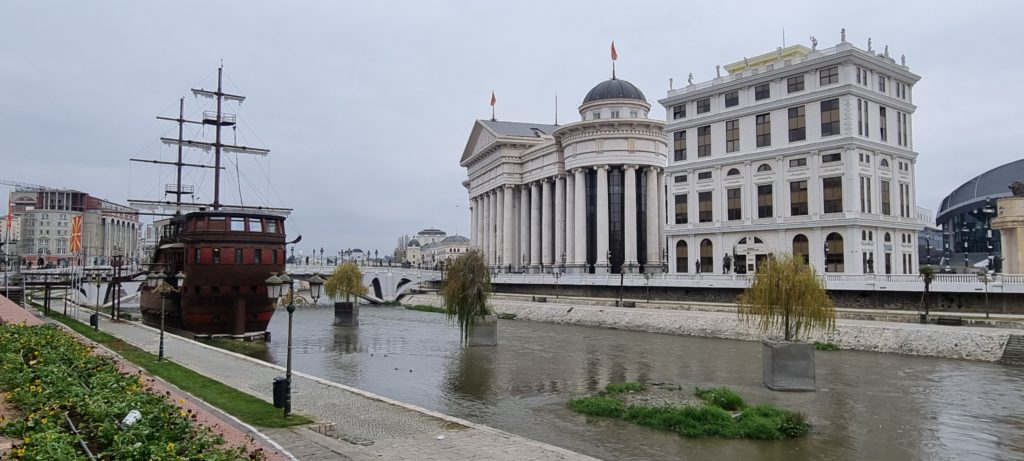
x=968, y=343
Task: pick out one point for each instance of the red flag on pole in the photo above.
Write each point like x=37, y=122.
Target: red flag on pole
x=493, y=99
x=615, y=56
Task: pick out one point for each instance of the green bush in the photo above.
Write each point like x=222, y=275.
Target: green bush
x=618, y=388
x=722, y=397
x=825, y=346
x=597, y=405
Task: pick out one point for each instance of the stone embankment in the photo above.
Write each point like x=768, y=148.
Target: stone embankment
x=969, y=343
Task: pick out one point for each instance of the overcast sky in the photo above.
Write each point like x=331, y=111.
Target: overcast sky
x=367, y=106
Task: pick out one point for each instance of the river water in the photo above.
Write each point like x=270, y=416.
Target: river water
x=868, y=406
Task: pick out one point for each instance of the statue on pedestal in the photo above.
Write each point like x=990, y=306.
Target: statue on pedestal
x=1017, y=188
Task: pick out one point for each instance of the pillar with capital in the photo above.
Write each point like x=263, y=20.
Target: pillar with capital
x=507, y=258
x=485, y=222
x=602, y=266
x=524, y=227
x=547, y=224
x=535, y=201
x=499, y=228
x=492, y=225
x=570, y=203
x=579, y=222
x=559, y=220
x=653, y=261
x=629, y=217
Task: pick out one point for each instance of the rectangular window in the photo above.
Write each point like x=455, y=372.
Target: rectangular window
x=764, y=201
x=903, y=201
x=703, y=105
x=732, y=98
x=797, y=127
x=734, y=203
x=595, y=116
x=762, y=91
x=238, y=256
x=886, y=200
x=794, y=84
x=238, y=224
x=830, y=117
x=860, y=117
x=829, y=158
x=797, y=162
x=705, y=213
x=679, y=145
x=272, y=227
x=679, y=179
x=899, y=128
x=679, y=111
x=216, y=255
x=255, y=225
x=828, y=76
x=860, y=79
x=615, y=114
x=704, y=175
x=704, y=141
x=867, y=128
x=865, y=195
x=798, y=198
x=882, y=124
x=732, y=135
x=681, y=217
x=257, y=256
x=764, y=130
x=832, y=194
x=881, y=83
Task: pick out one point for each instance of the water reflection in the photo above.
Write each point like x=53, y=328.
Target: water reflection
x=869, y=406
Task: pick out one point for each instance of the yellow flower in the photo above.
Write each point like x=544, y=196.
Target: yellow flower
x=181, y=401
x=170, y=447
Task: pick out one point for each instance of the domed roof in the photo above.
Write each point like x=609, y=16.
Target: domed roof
x=989, y=185
x=455, y=239
x=614, y=89
x=413, y=243
x=431, y=231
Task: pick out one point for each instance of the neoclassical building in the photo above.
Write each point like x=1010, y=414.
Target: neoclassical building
x=799, y=150
x=584, y=197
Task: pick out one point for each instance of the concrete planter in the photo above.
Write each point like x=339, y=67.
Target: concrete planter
x=484, y=332
x=787, y=366
x=346, y=314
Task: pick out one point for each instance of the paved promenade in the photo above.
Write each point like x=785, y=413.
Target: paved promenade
x=365, y=426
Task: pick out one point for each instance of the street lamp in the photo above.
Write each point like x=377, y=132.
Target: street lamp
x=826, y=257
x=158, y=282
x=94, y=319
x=275, y=289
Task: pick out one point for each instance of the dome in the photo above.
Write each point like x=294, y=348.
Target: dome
x=614, y=89
x=455, y=239
x=989, y=185
x=413, y=243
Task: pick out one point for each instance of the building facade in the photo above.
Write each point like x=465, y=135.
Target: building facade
x=47, y=220
x=581, y=198
x=803, y=151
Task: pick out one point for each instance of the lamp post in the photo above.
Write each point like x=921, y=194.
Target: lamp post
x=558, y=275
x=158, y=282
x=95, y=317
x=115, y=308
x=275, y=288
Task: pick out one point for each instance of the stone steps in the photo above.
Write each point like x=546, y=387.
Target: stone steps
x=1013, y=353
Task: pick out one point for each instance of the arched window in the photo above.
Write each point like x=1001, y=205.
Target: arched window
x=884, y=163
x=864, y=235
x=682, y=257
x=707, y=256
x=733, y=172
x=888, y=238
x=742, y=241
x=764, y=167
x=834, y=253
x=758, y=240
x=801, y=248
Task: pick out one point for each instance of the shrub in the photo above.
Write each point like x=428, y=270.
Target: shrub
x=825, y=346
x=598, y=405
x=722, y=397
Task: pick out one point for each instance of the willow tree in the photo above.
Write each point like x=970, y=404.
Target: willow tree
x=787, y=297
x=465, y=291
x=346, y=280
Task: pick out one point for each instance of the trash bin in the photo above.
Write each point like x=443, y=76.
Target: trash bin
x=280, y=390
x=94, y=320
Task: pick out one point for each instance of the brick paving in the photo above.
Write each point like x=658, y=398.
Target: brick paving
x=362, y=426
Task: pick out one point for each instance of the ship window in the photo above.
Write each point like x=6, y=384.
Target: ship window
x=272, y=226
x=256, y=256
x=238, y=256
x=238, y=224
x=197, y=258
x=255, y=225
x=216, y=255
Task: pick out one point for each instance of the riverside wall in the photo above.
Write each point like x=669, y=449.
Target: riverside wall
x=968, y=343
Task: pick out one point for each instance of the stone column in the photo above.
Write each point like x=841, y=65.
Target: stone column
x=507, y=258
x=579, y=222
x=485, y=216
x=472, y=221
x=547, y=224
x=492, y=225
x=535, y=201
x=602, y=220
x=570, y=204
x=499, y=228
x=559, y=220
x=661, y=216
x=653, y=257
x=629, y=216
x=524, y=227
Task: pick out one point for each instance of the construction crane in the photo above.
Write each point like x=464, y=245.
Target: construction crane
x=23, y=186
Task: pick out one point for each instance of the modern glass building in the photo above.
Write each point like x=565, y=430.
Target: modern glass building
x=966, y=214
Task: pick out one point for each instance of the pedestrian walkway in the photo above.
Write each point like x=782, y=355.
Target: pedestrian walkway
x=365, y=426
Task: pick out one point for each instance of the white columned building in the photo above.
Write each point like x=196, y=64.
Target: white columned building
x=588, y=192
x=798, y=150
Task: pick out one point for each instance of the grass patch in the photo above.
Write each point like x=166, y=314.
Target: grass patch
x=239, y=404
x=723, y=414
x=825, y=346
x=425, y=308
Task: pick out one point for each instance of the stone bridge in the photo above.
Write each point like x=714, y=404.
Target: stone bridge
x=384, y=284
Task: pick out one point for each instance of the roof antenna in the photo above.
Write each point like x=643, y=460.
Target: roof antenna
x=556, y=105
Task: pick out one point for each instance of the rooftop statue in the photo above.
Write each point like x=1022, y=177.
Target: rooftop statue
x=1017, y=188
